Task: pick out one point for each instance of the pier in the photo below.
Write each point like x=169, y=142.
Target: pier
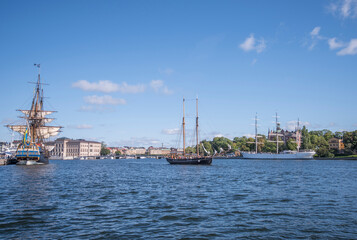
x=7, y=161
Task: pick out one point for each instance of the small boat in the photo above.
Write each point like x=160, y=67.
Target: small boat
x=190, y=159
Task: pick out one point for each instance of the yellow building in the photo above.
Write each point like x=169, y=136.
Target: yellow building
x=337, y=144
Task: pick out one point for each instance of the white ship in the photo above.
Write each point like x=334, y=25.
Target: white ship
x=283, y=155
x=287, y=154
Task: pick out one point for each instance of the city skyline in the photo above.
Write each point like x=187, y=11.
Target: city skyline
x=117, y=71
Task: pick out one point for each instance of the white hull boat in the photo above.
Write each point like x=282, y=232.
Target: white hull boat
x=292, y=155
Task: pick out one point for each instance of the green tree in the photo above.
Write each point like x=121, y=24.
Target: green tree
x=324, y=152
x=208, y=147
x=291, y=144
x=305, y=137
x=251, y=144
x=338, y=135
x=327, y=134
x=117, y=153
x=221, y=142
x=190, y=150
x=241, y=143
x=269, y=147
x=104, y=151
x=350, y=141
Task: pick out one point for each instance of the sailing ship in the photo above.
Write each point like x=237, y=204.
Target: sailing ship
x=32, y=150
x=195, y=159
x=287, y=154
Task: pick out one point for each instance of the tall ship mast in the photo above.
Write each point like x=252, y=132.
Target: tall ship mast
x=288, y=154
x=185, y=158
x=277, y=133
x=256, y=133
x=298, y=136
x=35, y=131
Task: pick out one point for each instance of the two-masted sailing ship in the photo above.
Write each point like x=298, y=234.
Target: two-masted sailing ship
x=189, y=158
x=32, y=150
x=287, y=154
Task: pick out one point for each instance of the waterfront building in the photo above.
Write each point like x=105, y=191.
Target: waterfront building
x=285, y=135
x=113, y=150
x=336, y=144
x=135, y=151
x=158, y=151
x=66, y=148
x=178, y=151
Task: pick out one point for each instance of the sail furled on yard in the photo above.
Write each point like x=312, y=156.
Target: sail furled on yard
x=38, y=114
x=18, y=128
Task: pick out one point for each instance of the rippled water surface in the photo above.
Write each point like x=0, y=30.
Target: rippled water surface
x=150, y=199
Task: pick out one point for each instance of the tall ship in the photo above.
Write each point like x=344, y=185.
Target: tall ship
x=32, y=149
x=195, y=159
x=284, y=155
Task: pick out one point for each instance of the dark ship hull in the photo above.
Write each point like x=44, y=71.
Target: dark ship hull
x=191, y=161
x=43, y=159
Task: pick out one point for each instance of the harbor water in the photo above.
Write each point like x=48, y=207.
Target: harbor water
x=151, y=199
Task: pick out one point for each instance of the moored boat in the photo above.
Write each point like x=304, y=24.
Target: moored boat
x=32, y=150
x=188, y=159
x=284, y=155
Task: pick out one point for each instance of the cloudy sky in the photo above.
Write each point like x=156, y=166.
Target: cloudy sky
x=117, y=70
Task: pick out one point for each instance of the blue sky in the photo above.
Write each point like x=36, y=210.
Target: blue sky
x=117, y=70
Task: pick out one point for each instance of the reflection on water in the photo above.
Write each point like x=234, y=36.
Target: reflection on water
x=141, y=199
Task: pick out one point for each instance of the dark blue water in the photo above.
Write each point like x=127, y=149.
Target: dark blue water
x=150, y=199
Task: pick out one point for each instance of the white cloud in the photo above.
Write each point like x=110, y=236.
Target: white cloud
x=104, y=100
x=84, y=126
x=249, y=135
x=96, y=108
x=167, y=71
x=291, y=125
x=172, y=131
x=315, y=32
x=248, y=44
x=159, y=87
x=315, y=37
x=334, y=44
x=81, y=126
x=101, y=86
x=126, y=88
x=108, y=86
x=156, y=84
x=344, y=8
x=254, y=61
x=349, y=8
x=350, y=49
x=137, y=142
x=251, y=44
x=332, y=124
x=167, y=91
